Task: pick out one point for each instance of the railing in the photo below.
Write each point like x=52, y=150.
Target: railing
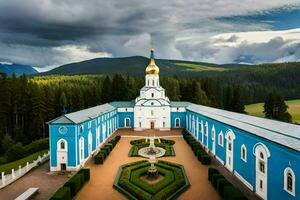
x=7, y=179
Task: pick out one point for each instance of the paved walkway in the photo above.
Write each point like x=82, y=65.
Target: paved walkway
x=103, y=176
x=38, y=177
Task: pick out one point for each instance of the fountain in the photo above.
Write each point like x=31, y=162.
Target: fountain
x=152, y=152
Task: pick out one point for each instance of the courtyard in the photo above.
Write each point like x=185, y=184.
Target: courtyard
x=103, y=176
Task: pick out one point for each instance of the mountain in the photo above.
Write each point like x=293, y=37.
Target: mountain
x=10, y=68
x=136, y=65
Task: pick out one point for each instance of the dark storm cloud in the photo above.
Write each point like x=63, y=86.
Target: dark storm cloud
x=53, y=32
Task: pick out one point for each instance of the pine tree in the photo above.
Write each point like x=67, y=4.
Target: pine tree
x=276, y=108
x=63, y=102
x=106, y=93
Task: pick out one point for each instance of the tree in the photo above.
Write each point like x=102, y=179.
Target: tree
x=7, y=142
x=106, y=93
x=237, y=102
x=63, y=102
x=276, y=108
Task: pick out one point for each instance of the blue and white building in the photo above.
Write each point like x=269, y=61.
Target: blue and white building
x=263, y=154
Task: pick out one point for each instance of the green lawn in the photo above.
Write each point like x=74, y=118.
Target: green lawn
x=294, y=109
x=6, y=168
x=199, y=68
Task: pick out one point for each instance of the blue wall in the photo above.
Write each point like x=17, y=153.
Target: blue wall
x=122, y=116
x=181, y=116
x=280, y=158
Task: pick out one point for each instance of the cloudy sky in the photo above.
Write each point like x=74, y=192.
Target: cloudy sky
x=49, y=33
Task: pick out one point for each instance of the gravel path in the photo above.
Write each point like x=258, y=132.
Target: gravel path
x=40, y=177
x=103, y=176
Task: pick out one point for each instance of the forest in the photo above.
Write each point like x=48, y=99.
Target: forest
x=27, y=103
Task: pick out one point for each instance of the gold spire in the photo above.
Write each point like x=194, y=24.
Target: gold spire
x=152, y=67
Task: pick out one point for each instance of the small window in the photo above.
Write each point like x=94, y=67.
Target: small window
x=125, y=109
x=164, y=124
x=244, y=153
x=81, y=129
x=289, y=181
x=152, y=103
x=220, y=139
x=261, y=155
x=152, y=94
x=177, y=123
x=229, y=146
x=213, y=134
x=262, y=166
x=153, y=82
x=140, y=124
x=62, y=145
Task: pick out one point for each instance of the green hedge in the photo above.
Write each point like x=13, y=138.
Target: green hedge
x=215, y=178
x=221, y=183
x=226, y=190
x=86, y=173
x=104, y=151
x=205, y=159
x=232, y=193
x=75, y=184
x=141, y=143
x=62, y=193
x=212, y=171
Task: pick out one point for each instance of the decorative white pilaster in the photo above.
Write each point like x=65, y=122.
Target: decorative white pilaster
x=3, y=178
x=13, y=174
x=20, y=170
x=27, y=166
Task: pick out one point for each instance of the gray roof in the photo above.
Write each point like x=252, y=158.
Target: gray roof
x=280, y=132
x=180, y=103
x=122, y=104
x=83, y=115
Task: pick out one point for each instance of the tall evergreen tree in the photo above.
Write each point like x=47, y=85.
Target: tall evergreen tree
x=106, y=91
x=276, y=108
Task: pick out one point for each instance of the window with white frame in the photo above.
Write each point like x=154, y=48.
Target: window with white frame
x=62, y=145
x=221, y=139
x=244, y=153
x=81, y=129
x=289, y=181
x=177, y=122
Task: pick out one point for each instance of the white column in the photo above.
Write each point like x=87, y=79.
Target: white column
x=27, y=167
x=20, y=170
x=3, y=178
x=13, y=174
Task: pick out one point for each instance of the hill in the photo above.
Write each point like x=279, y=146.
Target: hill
x=136, y=65
x=294, y=109
x=17, y=69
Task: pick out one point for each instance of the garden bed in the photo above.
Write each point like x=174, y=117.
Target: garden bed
x=173, y=183
x=138, y=144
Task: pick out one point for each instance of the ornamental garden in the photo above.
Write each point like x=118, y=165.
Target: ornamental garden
x=150, y=174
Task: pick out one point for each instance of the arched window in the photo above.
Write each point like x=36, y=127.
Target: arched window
x=152, y=94
x=220, y=139
x=244, y=153
x=177, y=122
x=289, y=181
x=62, y=145
x=213, y=134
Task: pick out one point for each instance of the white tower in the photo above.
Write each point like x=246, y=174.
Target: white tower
x=152, y=107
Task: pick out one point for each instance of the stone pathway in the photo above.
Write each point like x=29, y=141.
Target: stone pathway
x=39, y=177
x=103, y=176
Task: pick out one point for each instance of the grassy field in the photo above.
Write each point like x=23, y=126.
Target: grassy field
x=199, y=67
x=6, y=168
x=294, y=109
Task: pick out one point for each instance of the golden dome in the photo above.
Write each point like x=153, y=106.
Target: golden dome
x=152, y=67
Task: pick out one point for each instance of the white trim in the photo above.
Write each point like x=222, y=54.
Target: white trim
x=293, y=192
x=220, y=160
x=244, y=147
x=243, y=180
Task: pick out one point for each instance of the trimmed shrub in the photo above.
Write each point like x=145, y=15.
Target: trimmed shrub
x=232, y=193
x=37, y=145
x=62, y=193
x=16, y=152
x=214, y=179
x=98, y=159
x=221, y=183
x=106, y=149
x=205, y=159
x=86, y=173
x=212, y=171
x=75, y=184
x=110, y=146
